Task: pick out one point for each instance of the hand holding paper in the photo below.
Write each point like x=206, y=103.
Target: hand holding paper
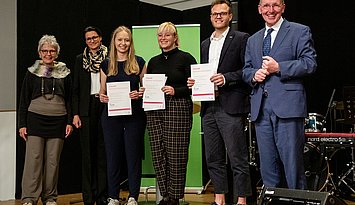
x=120, y=100
x=203, y=88
x=153, y=97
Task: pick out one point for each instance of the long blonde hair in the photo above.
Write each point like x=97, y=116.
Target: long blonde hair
x=131, y=65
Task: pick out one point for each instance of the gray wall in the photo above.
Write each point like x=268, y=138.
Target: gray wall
x=8, y=55
x=7, y=98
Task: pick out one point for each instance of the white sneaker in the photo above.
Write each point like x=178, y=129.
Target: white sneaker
x=51, y=203
x=112, y=201
x=27, y=203
x=131, y=201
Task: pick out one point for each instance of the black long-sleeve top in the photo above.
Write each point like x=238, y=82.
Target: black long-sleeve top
x=31, y=89
x=175, y=64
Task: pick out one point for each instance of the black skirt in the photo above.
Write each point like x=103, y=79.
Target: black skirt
x=46, y=126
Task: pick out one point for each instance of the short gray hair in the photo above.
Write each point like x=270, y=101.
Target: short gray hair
x=282, y=1
x=48, y=39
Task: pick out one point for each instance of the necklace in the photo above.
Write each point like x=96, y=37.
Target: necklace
x=42, y=90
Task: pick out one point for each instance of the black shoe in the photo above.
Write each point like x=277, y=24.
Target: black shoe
x=102, y=201
x=164, y=201
x=172, y=201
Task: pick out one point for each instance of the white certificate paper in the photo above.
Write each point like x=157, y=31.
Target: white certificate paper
x=203, y=89
x=153, y=97
x=119, y=102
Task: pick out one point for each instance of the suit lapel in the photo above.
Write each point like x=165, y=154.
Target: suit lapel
x=205, y=50
x=226, y=44
x=260, y=40
x=284, y=29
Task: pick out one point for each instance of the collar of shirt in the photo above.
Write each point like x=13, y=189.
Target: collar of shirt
x=223, y=36
x=216, y=49
x=276, y=28
x=95, y=83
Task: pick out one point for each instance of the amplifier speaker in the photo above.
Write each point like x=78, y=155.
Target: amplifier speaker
x=280, y=196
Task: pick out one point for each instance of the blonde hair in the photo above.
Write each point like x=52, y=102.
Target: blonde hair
x=131, y=65
x=171, y=28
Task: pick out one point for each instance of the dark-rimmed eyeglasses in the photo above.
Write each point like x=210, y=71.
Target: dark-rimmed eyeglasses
x=48, y=51
x=93, y=38
x=221, y=14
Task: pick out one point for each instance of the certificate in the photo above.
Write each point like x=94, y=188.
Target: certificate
x=153, y=97
x=203, y=89
x=119, y=102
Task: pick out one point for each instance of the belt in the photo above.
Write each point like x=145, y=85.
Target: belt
x=95, y=96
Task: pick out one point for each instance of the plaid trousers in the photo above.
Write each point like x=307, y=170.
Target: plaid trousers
x=169, y=135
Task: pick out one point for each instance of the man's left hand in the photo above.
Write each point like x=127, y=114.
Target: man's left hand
x=270, y=65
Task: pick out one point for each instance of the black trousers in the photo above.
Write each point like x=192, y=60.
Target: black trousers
x=94, y=178
x=224, y=134
x=124, y=140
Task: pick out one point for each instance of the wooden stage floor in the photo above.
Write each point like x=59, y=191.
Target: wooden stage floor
x=192, y=199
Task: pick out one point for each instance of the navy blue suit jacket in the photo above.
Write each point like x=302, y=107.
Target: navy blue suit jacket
x=293, y=50
x=234, y=94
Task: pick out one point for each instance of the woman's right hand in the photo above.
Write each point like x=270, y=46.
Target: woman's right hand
x=23, y=133
x=190, y=82
x=103, y=98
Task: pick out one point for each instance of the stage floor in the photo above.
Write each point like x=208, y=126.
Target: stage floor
x=192, y=199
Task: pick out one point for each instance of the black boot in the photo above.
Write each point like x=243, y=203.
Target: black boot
x=173, y=201
x=164, y=201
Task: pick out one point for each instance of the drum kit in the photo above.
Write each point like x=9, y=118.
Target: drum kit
x=329, y=162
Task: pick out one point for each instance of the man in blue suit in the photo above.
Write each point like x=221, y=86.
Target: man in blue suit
x=223, y=120
x=278, y=98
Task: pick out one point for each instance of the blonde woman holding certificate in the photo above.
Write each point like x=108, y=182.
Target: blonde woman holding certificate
x=169, y=128
x=123, y=134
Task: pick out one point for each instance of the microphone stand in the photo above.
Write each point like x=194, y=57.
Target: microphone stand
x=323, y=148
x=328, y=109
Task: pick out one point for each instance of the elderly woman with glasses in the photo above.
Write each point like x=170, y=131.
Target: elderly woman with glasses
x=44, y=122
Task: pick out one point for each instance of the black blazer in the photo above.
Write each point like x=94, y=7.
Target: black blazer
x=234, y=94
x=81, y=88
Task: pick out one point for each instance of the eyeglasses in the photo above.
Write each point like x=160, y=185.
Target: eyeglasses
x=221, y=14
x=49, y=51
x=276, y=7
x=94, y=38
